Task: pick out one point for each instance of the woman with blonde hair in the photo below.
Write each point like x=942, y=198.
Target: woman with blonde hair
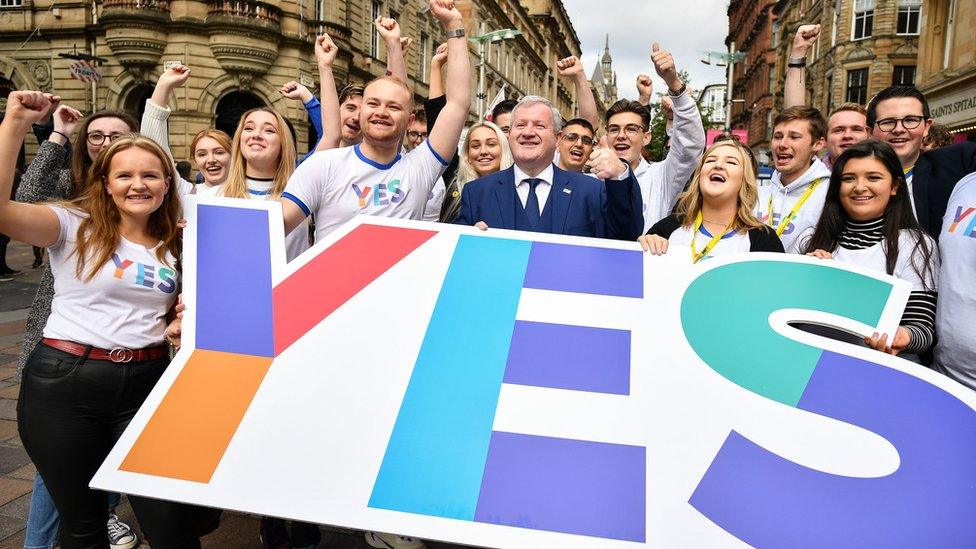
x=484, y=152
x=113, y=252
x=714, y=216
x=262, y=160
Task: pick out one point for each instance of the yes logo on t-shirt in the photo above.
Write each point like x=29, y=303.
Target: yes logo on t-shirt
x=146, y=275
x=383, y=194
x=959, y=221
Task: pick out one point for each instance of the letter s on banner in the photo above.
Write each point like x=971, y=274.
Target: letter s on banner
x=768, y=501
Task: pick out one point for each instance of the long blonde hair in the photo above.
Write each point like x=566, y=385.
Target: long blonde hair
x=98, y=234
x=690, y=201
x=236, y=184
x=466, y=172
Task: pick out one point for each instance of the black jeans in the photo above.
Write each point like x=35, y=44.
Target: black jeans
x=71, y=412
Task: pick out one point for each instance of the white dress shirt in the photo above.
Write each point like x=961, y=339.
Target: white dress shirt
x=541, y=190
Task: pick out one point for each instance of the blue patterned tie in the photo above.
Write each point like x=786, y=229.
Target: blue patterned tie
x=532, y=204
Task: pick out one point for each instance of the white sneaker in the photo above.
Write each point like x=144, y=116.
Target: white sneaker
x=120, y=536
x=392, y=541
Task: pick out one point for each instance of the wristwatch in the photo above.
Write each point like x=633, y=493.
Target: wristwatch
x=679, y=91
x=797, y=62
x=456, y=33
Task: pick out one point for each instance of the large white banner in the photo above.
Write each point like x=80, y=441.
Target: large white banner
x=512, y=389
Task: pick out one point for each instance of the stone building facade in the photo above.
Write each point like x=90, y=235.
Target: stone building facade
x=750, y=23
x=947, y=64
x=241, y=51
x=864, y=47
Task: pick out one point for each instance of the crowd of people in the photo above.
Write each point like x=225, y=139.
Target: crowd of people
x=869, y=185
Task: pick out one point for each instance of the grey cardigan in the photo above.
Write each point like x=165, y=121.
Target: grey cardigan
x=47, y=179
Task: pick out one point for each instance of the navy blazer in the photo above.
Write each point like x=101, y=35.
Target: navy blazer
x=582, y=205
x=936, y=174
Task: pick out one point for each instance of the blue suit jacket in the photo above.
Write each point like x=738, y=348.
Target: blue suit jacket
x=582, y=205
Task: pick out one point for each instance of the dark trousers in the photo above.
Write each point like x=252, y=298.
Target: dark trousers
x=71, y=412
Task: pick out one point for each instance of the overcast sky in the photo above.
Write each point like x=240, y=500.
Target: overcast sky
x=686, y=28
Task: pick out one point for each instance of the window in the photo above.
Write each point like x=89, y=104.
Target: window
x=425, y=55
x=909, y=13
x=319, y=10
x=857, y=86
x=830, y=93
x=374, y=36
x=833, y=30
x=950, y=25
x=11, y=3
x=903, y=76
x=863, y=19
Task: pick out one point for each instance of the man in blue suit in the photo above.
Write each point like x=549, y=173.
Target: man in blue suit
x=535, y=195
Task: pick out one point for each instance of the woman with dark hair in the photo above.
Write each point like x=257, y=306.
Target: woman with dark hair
x=867, y=220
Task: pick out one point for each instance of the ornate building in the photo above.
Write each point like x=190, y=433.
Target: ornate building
x=750, y=23
x=241, y=51
x=604, y=80
x=864, y=46
x=947, y=64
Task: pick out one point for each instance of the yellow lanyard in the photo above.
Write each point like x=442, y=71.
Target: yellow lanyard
x=796, y=207
x=695, y=256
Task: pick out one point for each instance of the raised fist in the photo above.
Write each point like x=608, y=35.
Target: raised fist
x=29, y=107
x=325, y=51
x=174, y=77
x=645, y=88
x=66, y=120
x=445, y=11
x=296, y=91
x=388, y=28
x=405, y=43
x=806, y=37
x=570, y=67
x=664, y=66
x=440, y=56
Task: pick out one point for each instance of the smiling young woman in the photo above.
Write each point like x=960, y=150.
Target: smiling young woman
x=867, y=219
x=103, y=348
x=714, y=216
x=483, y=152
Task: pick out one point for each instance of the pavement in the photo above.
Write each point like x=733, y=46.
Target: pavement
x=237, y=530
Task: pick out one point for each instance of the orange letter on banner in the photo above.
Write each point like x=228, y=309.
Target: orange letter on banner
x=188, y=434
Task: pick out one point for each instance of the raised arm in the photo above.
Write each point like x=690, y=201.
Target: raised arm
x=297, y=92
x=688, y=138
x=572, y=68
x=155, y=119
x=325, y=55
x=389, y=30
x=796, y=70
x=436, y=86
x=36, y=225
x=645, y=89
x=42, y=180
x=444, y=136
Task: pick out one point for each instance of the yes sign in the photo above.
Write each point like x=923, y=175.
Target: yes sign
x=523, y=390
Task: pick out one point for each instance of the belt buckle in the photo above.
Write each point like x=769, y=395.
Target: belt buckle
x=121, y=354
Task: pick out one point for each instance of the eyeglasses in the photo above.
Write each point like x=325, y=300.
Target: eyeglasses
x=632, y=130
x=417, y=135
x=574, y=137
x=97, y=138
x=909, y=123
